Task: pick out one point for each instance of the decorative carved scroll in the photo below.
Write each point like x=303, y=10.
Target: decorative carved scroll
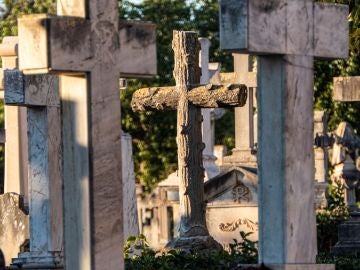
x=232, y=226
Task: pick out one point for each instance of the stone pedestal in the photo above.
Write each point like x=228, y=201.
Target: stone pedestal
x=38, y=260
x=349, y=237
x=199, y=244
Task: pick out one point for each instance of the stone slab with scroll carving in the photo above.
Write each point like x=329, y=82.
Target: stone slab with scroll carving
x=231, y=207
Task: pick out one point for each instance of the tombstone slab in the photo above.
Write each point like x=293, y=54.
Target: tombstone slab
x=14, y=225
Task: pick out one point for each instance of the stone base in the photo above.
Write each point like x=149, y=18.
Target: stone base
x=349, y=237
x=239, y=158
x=38, y=260
x=198, y=244
x=286, y=267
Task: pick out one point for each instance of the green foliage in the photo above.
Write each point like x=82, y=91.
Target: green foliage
x=341, y=262
x=138, y=255
x=329, y=219
x=13, y=9
x=326, y=70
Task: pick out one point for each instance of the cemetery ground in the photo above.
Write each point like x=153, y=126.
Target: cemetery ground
x=244, y=252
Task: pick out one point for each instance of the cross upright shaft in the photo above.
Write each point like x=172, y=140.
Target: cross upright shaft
x=189, y=138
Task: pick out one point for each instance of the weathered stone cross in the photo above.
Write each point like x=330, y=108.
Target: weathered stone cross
x=189, y=98
x=347, y=89
x=15, y=179
x=87, y=47
x=244, y=116
x=287, y=34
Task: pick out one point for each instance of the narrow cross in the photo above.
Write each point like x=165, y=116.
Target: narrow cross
x=243, y=153
x=87, y=45
x=287, y=35
x=189, y=98
x=40, y=95
x=15, y=179
x=321, y=144
x=208, y=132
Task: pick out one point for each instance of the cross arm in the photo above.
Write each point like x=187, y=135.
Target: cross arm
x=284, y=27
x=30, y=90
x=204, y=96
x=57, y=44
x=347, y=88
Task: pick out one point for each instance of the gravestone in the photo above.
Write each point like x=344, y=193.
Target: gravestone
x=322, y=142
x=131, y=225
x=40, y=94
x=231, y=205
x=244, y=152
x=287, y=35
x=89, y=48
x=347, y=89
x=232, y=196
x=208, y=132
x=188, y=98
x=15, y=177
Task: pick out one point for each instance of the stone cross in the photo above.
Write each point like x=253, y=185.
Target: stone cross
x=211, y=169
x=346, y=89
x=88, y=46
x=243, y=153
x=15, y=178
x=287, y=35
x=40, y=94
x=322, y=142
x=189, y=98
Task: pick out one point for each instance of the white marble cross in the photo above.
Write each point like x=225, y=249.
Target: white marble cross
x=40, y=94
x=208, y=132
x=88, y=46
x=245, y=131
x=15, y=178
x=287, y=34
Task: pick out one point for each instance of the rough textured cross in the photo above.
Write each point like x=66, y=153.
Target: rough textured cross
x=188, y=98
x=88, y=46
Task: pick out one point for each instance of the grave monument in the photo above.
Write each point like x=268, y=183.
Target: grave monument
x=14, y=208
x=346, y=170
x=188, y=98
x=86, y=46
x=286, y=35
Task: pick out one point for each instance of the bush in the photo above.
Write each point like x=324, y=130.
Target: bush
x=139, y=256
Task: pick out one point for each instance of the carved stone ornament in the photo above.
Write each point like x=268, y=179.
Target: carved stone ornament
x=241, y=193
x=232, y=226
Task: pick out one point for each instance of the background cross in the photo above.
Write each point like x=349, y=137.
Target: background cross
x=86, y=44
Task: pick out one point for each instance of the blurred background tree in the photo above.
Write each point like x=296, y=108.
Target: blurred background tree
x=154, y=133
